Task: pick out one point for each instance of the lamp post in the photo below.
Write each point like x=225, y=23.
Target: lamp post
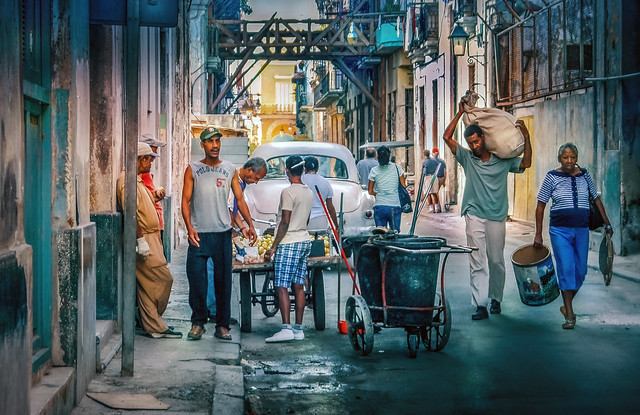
x=458, y=39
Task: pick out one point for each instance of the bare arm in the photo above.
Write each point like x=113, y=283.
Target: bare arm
x=283, y=227
x=526, y=157
x=371, y=185
x=332, y=212
x=537, y=240
x=242, y=206
x=187, y=193
x=451, y=128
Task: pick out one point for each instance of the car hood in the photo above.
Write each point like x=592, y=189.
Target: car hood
x=264, y=196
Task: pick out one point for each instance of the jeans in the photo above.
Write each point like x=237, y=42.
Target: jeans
x=383, y=215
x=217, y=246
x=211, y=289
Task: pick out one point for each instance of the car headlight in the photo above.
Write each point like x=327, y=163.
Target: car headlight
x=368, y=213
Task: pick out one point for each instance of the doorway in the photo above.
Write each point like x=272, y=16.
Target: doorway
x=37, y=226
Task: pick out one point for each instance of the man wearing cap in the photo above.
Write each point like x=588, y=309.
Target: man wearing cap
x=442, y=178
x=153, y=277
x=290, y=250
x=429, y=166
x=251, y=172
x=157, y=192
x=205, y=211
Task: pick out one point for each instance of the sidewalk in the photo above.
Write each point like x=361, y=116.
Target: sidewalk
x=522, y=233
x=196, y=377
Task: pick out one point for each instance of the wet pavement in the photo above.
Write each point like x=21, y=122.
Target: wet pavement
x=521, y=361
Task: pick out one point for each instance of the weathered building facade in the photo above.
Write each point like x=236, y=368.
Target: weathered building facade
x=62, y=133
x=566, y=69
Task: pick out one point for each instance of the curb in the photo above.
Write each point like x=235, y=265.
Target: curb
x=228, y=397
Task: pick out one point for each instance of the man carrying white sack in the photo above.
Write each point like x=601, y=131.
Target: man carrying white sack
x=484, y=207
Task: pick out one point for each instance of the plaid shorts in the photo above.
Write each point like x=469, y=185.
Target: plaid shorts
x=290, y=263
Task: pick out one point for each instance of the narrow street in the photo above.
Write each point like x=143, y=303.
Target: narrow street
x=521, y=361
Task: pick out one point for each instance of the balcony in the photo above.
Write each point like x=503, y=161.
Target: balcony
x=389, y=36
x=329, y=89
x=425, y=42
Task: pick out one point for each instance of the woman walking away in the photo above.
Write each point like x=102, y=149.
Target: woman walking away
x=383, y=184
x=569, y=187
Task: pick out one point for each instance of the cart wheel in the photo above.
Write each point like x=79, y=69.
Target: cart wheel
x=269, y=303
x=317, y=288
x=245, y=302
x=413, y=341
x=359, y=324
x=436, y=336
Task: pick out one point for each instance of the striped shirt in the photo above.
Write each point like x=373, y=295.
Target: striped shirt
x=570, y=197
x=386, y=180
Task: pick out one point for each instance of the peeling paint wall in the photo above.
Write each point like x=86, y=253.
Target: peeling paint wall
x=15, y=256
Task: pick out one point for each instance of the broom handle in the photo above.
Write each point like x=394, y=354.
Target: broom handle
x=335, y=234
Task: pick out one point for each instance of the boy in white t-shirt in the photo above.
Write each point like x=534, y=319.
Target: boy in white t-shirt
x=290, y=250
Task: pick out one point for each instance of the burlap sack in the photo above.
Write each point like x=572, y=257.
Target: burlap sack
x=501, y=136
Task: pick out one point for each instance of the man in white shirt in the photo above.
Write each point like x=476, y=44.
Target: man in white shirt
x=290, y=250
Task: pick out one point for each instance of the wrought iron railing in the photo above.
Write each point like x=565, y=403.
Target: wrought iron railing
x=549, y=52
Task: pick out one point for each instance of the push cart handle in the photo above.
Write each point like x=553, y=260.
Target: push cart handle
x=446, y=249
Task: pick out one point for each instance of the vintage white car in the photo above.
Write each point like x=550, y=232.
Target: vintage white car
x=336, y=164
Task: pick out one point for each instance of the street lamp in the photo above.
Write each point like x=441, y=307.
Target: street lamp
x=352, y=36
x=458, y=40
x=237, y=117
x=340, y=107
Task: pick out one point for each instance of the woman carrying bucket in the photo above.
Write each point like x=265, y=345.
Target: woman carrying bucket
x=569, y=187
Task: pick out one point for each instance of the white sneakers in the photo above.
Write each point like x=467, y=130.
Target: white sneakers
x=298, y=334
x=285, y=335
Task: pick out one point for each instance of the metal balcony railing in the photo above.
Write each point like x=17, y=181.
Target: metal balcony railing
x=329, y=89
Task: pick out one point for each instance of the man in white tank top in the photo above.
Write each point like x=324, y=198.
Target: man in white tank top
x=206, y=215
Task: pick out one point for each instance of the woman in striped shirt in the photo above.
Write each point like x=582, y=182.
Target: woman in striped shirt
x=569, y=187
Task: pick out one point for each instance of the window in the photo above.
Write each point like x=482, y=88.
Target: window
x=329, y=167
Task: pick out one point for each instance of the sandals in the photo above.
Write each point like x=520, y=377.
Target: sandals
x=569, y=323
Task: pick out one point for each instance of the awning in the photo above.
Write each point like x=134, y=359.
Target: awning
x=390, y=144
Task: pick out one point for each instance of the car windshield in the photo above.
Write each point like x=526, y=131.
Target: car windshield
x=330, y=167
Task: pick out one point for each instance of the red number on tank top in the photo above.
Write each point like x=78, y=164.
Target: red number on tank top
x=220, y=182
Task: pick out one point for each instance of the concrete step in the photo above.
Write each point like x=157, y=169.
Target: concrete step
x=108, y=343
x=55, y=392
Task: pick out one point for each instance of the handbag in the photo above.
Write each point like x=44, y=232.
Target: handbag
x=403, y=193
x=595, y=218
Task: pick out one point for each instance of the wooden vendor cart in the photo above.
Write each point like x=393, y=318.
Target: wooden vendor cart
x=250, y=296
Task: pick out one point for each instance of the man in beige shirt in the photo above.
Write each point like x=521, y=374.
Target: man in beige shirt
x=153, y=277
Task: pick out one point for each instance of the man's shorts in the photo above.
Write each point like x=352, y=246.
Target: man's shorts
x=427, y=181
x=290, y=263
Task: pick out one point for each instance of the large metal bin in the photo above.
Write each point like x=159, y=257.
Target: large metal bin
x=409, y=279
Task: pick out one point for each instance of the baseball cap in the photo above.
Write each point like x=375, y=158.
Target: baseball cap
x=435, y=150
x=144, y=149
x=209, y=132
x=148, y=138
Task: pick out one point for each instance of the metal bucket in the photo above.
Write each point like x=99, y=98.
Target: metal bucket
x=411, y=279
x=535, y=275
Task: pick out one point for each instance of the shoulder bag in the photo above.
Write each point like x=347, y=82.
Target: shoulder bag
x=403, y=193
